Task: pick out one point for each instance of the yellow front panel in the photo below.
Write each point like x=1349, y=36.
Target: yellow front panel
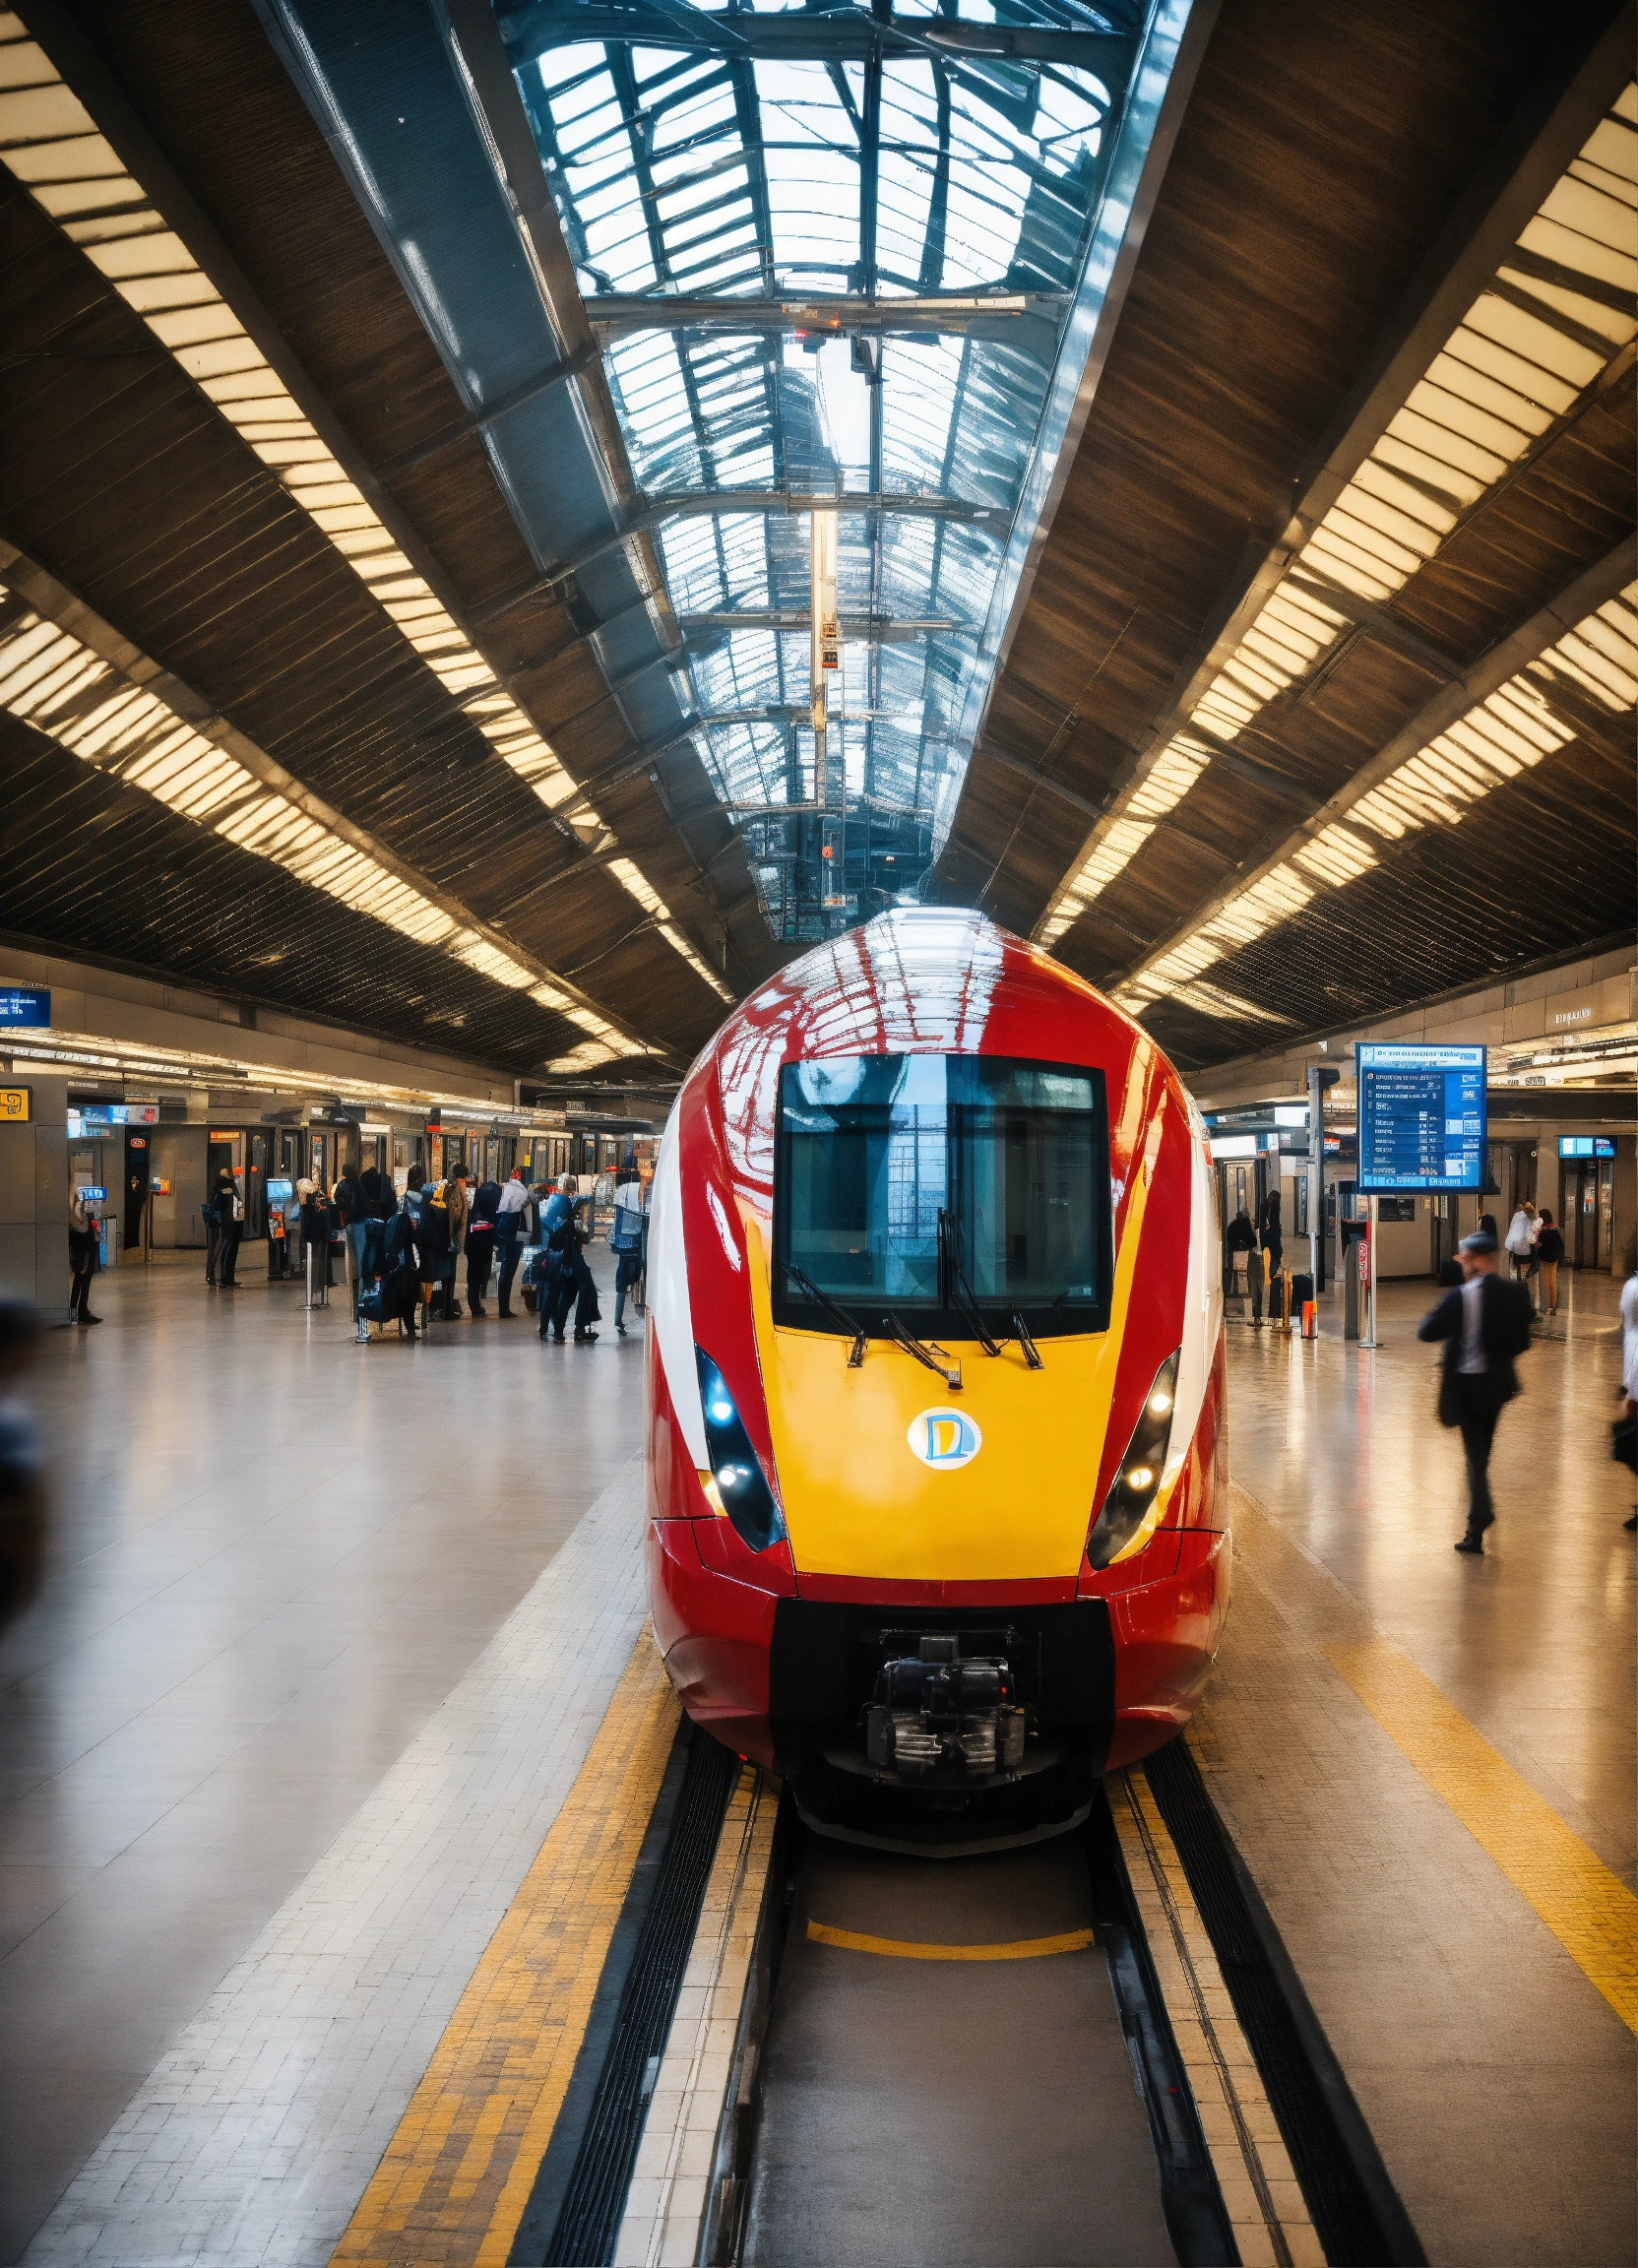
x=858, y=1502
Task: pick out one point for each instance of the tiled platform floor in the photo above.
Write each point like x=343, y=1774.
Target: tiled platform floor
x=289, y=1643
x=1499, y=2085
x=277, y=1554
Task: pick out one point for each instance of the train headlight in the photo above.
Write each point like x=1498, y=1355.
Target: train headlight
x=1131, y=1493
x=741, y=1484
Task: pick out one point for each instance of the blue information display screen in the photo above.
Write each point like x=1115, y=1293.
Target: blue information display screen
x=20, y=1006
x=1421, y=1116
x=1586, y=1145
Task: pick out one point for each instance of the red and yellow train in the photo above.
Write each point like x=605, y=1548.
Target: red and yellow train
x=936, y=1459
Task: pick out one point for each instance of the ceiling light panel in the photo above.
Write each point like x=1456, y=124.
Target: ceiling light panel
x=50, y=142
x=51, y=681
x=1503, y=378
x=1500, y=738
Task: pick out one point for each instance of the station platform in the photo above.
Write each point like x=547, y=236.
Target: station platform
x=334, y=1749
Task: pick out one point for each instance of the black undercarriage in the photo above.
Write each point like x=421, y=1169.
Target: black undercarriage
x=942, y=1729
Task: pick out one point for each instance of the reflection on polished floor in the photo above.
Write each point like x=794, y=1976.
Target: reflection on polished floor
x=1499, y=2084
x=276, y=1553
x=329, y=1630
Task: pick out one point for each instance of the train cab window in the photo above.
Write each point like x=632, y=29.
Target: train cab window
x=927, y=1186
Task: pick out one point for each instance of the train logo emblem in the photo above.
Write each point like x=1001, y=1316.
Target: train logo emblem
x=945, y=1439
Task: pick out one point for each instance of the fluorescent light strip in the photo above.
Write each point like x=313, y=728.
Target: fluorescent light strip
x=50, y=680
x=1501, y=736
x=183, y=1067
x=50, y=142
x=1496, y=385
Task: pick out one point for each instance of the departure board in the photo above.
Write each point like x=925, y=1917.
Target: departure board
x=1421, y=1116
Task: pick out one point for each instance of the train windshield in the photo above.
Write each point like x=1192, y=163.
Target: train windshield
x=925, y=1187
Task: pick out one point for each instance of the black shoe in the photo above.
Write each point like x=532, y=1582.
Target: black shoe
x=558, y=1338
x=1473, y=1544
x=620, y=1329
x=88, y=1318
x=504, y=1314
x=1631, y=1524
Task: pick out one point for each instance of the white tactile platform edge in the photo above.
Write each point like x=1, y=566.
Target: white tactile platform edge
x=251, y=2141
x=1259, y=2189
x=666, y=2201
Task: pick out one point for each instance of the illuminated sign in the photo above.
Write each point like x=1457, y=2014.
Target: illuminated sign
x=15, y=1104
x=21, y=1007
x=1586, y=1145
x=1421, y=1116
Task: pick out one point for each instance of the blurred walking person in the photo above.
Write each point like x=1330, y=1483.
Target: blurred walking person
x=515, y=1199
x=22, y=1504
x=1483, y=1326
x=626, y=1240
x=230, y=1216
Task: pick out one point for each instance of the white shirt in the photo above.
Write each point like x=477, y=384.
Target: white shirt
x=1471, y=1361
x=514, y=1197
x=1629, y=1336
x=1520, y=1233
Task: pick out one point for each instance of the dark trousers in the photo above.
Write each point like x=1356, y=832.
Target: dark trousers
x=82, y=1262
x=1477, y=1412
x=511, y=1252
x=478, y=1256
x=213, y=1249
x=574, y=1287
x=228, y=1256
x=628, y=1273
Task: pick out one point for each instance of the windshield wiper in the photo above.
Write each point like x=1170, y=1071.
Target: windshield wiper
x=965, y=1303
x=828, y=1306
x=925, y=1351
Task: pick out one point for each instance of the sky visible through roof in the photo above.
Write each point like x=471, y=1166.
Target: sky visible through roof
x=724, y=174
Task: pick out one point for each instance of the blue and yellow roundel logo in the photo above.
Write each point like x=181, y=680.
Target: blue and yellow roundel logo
x=945, y=1439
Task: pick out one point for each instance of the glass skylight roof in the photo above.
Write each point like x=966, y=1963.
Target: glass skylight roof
x=874, y=167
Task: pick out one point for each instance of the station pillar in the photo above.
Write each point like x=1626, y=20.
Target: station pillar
x=33, y=1197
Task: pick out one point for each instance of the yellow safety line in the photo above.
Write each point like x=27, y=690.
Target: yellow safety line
x=1020, y=1948
x=455, y=2179
x=1589, y=1909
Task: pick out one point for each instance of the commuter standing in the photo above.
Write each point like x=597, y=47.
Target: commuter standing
x=83, y=1253
x=456, y=1208
x=350, y=1215
x=1241, y=1241
x=230, y=1214
x=1549, y=1251
x=1521, y=1243
x=1273, y=1248
x=480, y=1241
x=318, y=1225
x=1484, y=1326
x=565, y=1279
x=625, y=1241
x=509, y=1227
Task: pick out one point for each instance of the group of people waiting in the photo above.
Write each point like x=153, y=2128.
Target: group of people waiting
x=415, y=1248
x=1247, y=1243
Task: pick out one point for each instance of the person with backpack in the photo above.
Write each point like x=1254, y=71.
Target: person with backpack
x=229, y=1206
x=402, y=1297
x=566, y=1280
x=626, y=1240
x=435, y=1245
x=1483, y=1326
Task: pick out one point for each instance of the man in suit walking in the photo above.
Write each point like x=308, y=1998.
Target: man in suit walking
x=1485, y=1323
